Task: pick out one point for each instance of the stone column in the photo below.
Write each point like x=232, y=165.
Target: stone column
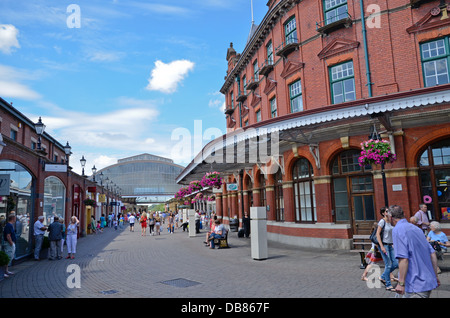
x=258, y=224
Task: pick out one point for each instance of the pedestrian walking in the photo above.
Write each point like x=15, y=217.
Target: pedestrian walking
x=115, y=224
x=132, y=219
x=143, y=222
x=55, y=235
x=151, y=224
x=171, y=223
x=246, y=224
x=422, y=218
x=103, y=221
x=158, y=224
x=417, y=275
x=72, y=232
x=384, y=237
x=38, y=230
x=9, y=241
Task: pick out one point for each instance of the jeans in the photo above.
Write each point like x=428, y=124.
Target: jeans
x=10, y=250
x=390, y=264
x=214, y=236
x=38, y=239
x=71, y=243
x=55, y=248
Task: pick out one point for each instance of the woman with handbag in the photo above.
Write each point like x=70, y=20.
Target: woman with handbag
x=384, y=237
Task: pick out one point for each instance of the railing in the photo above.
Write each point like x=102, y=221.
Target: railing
x=334, y=21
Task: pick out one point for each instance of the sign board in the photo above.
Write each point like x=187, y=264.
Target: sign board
x=102, y=198
x=56, y=167
x=232, y=186
x=5, y=182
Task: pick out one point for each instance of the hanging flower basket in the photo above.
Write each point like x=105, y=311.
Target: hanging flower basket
x=194, y=186
x=212, y=179
x=376, y=152
x=212, y=198
x=182, y=193
x=89, y=202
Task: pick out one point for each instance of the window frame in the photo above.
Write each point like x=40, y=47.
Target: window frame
x=445, y=57
x=333, y=8
x=341, y=80
x=270, y=59
x=308, y=180
x=287, y=33
x=272, y=102
x=295, y=97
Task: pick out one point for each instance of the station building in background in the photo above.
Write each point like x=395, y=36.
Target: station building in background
x=315, y=80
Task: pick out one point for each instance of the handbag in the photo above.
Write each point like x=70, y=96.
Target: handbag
x=373, y=236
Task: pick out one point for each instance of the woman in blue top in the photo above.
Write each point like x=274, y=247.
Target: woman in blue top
x=436, y=235
x=384, y=236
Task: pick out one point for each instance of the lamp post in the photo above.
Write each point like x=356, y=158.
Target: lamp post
x=67, y=151
x=376, y=136
x=40, y=127
x=94, y=171
x=83, y=163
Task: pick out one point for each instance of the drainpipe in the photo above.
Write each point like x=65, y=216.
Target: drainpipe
x=366, y=53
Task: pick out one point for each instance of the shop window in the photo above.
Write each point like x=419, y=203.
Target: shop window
x=304, y=192
x=54, y=199
x=19, y=201
x=435, y=60
x=434, y=165
x=279, y=201
x=353, y=190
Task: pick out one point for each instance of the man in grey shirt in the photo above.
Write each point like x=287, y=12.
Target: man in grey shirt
x=55, y=236
x=39, y=231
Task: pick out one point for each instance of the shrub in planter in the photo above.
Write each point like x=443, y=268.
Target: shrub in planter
x=4, y=259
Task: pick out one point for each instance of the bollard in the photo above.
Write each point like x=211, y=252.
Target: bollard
x=191, y=217
x=258, y=224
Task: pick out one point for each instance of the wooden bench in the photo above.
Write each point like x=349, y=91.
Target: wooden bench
x=222, y=242
x=361, y=244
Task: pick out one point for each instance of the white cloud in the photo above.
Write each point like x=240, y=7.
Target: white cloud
x=8, y=38
x=105, y=56
x=12, y=86
x=166, y=77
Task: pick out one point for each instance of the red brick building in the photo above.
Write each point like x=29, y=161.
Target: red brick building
x=41, y=182
x=316, y=81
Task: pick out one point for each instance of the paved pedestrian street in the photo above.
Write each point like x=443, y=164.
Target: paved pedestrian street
x=124, y=264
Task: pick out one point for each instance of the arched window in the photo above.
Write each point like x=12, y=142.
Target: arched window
x=304, y=193
x=353, y=191
x=54, y=199
x=434, y=167
x=279, y=201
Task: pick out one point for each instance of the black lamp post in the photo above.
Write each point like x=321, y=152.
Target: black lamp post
x=67, y=151
x=83, y=163
x=376, y=136
x=40, y=127
x=94, y=171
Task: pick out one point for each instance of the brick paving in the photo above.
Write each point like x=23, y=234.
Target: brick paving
x=124, y=264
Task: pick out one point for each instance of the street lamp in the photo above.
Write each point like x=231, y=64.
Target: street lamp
x=376, y=136
x=40, y=127
x=83, y=163
x=67, y=150
x=94, y=171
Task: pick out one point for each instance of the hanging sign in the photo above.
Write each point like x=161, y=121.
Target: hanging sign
x=56, y=167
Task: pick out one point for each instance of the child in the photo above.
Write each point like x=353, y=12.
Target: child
x=115, y=224
x=372, y=257
x=99, y=227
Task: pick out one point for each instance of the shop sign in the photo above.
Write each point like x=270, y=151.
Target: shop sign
x=5, y=182
x=56, y=168
x=102, y=198
x=232, y=186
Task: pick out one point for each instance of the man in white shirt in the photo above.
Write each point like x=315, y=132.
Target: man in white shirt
x=39, y=231
x=132, y=219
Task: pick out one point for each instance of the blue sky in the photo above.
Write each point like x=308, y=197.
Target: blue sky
x=129, y=78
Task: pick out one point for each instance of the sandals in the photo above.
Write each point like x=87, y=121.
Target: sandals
x=392, y=289
x=382, y=280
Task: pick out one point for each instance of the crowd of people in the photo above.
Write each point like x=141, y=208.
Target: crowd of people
x=411, y=247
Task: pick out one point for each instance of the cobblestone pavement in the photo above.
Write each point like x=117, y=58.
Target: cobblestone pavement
x=120, y=263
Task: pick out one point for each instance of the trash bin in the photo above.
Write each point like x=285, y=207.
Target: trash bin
x=234, y=225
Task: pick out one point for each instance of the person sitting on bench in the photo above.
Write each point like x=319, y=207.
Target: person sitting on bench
x=219, y=232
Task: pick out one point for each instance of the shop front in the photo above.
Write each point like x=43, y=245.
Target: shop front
x=18, y=198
